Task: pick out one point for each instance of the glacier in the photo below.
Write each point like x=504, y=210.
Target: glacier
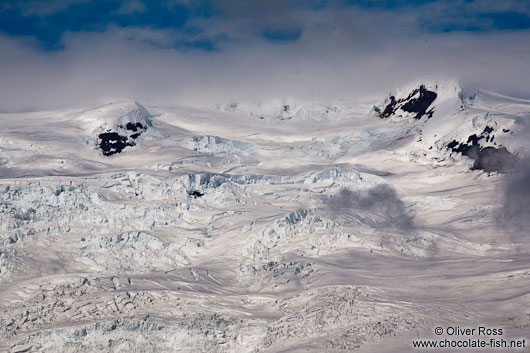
x=283, y=227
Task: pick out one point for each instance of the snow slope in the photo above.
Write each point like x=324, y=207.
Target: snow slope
x=276, y=228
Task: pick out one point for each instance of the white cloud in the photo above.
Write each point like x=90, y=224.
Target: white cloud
x=341, y=54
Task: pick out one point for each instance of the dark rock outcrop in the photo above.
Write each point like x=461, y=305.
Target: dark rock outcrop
x=195, y=193
x=112, y=142
x=418, y=102
x=490, y=159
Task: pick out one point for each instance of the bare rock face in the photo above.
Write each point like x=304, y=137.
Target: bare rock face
x=487, y=158
x=417, y=104
x=127, y=129
x=475, y=140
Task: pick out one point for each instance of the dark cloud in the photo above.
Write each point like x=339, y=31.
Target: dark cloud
x=492, y=159
x=516, y=204
x=381, y=200
x=233, y=20
x=62, y=17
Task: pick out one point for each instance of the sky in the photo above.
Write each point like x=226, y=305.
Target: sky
x=62, y=53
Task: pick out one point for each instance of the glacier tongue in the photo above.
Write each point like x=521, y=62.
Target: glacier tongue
x=312, y=228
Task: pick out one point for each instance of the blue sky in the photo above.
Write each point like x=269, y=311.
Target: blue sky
x=202, y=24
x=78, y=52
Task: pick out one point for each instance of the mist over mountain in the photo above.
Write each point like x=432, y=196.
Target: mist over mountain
x=229, y=52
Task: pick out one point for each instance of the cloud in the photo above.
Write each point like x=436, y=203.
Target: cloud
x=324, y=53
x=381, y=200
x=131, y=7
x=516, y=201
x=77, y=16
x=40, y=8
x=463, y=15
x=272, y=19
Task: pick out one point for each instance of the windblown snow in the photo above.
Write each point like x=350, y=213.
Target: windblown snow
x=281, y=228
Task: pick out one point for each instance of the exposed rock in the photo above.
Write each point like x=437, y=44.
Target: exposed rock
x=489, y=159
x=417, y=102
x=113, y=142
x=196, y=193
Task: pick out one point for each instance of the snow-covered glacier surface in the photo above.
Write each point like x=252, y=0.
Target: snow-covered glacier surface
x=287, y=228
